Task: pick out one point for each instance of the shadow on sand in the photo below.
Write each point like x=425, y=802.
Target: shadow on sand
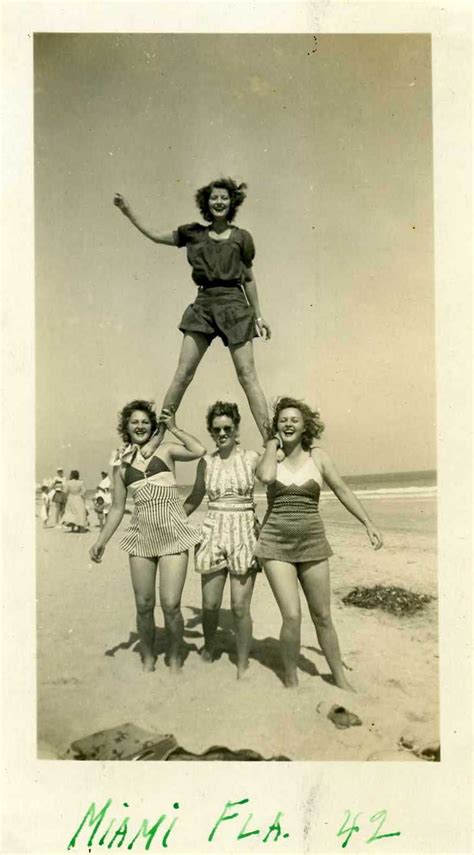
x=265, y=651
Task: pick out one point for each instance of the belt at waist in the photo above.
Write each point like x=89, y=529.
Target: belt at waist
x=231, y=505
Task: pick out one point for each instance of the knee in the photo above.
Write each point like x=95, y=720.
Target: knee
x=145, y=605
x=292, y=620
x=322, y=620
x=211, y=606
x=246, y=375
x=171, y=608
x=240, y=611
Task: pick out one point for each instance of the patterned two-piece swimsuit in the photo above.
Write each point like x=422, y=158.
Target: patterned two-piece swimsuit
x=158, y=525
x=228, y=530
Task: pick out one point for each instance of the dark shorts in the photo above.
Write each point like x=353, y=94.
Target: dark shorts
x=223, y=312
x=60, y=498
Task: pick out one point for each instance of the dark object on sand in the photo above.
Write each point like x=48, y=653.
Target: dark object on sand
x=342, y=718
x=217, y=752
x=120, y=743
x=128, y=742
x=425, y=751
x=397, y=601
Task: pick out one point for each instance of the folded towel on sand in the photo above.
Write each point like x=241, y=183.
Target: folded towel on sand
x=129, y=742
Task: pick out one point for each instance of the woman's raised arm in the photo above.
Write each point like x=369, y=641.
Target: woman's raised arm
x=191, y=447
x=166, y=238
x=267, y=467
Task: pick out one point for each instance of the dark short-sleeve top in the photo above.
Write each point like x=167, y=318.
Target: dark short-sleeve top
x=216, y=261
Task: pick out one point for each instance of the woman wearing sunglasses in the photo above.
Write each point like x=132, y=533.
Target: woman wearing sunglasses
x=227, y=477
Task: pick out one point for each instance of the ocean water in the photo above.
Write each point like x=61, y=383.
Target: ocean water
x=387, y=484
x=390, y=485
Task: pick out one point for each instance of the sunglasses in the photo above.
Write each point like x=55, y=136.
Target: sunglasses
x=227, y=430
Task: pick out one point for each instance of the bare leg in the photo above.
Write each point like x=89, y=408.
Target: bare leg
x=241, y=590
x=242, y=357
x=193, y=348
x=284, y=584
x=212, y=585
x=172, y=577
x=316, y=585
x=143, y=573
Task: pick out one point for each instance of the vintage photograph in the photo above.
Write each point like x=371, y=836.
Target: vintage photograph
x=236, y=491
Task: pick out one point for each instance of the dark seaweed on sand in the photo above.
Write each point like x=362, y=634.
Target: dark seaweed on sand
x=392, y=599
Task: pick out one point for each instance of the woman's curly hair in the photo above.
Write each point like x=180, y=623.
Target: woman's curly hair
x=222, y=408
x=125, y=413
x=313, y=426
x=236, y=193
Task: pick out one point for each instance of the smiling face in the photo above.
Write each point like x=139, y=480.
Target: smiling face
x=139, y=427
x=290, y=425
x=224, y=432
x=219, y=203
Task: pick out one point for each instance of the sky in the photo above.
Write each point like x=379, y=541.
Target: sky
x=333, y=138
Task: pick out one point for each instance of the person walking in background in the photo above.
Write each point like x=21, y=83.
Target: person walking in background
x=104, y=487
x=45, y=505
x=227, y=306
x=292, y=544
x=103, y=497
x=159, y=535
x=58, y=497
x=75, y=512
x=227, y=478
x=99, y=508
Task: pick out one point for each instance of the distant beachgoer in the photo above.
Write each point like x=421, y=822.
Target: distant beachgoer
x=99, y=507
x=45, y=505
x=102, y=500
x=104, y=489
x=292, y=544
x=227, y=305
x=58, y=497
x=227, y=478
x=75, y=512
x=159, y=535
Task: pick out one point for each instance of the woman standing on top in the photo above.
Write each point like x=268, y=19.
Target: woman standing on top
x=227, y=477
x=221, y=256
x=292, y=543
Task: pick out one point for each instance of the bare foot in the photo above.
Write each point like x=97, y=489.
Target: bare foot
x=291, y=682
x=207, y=655
x=243, y=672
x=148, y=664
x=342, y=683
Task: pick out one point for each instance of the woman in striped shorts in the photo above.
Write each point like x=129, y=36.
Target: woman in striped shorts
x=228, y=532
x=159, y=535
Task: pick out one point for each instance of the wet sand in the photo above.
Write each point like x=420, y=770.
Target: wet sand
x=89, y=671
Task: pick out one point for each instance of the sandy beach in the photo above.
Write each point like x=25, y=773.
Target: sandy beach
x=90, y=678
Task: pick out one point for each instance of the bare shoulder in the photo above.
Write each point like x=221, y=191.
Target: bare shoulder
x=320, y=456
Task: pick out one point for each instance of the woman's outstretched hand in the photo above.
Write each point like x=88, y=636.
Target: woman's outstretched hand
x=121, y=202
x=96, y=552
x=263, y=329
x=167, y=418
x=375, y=537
